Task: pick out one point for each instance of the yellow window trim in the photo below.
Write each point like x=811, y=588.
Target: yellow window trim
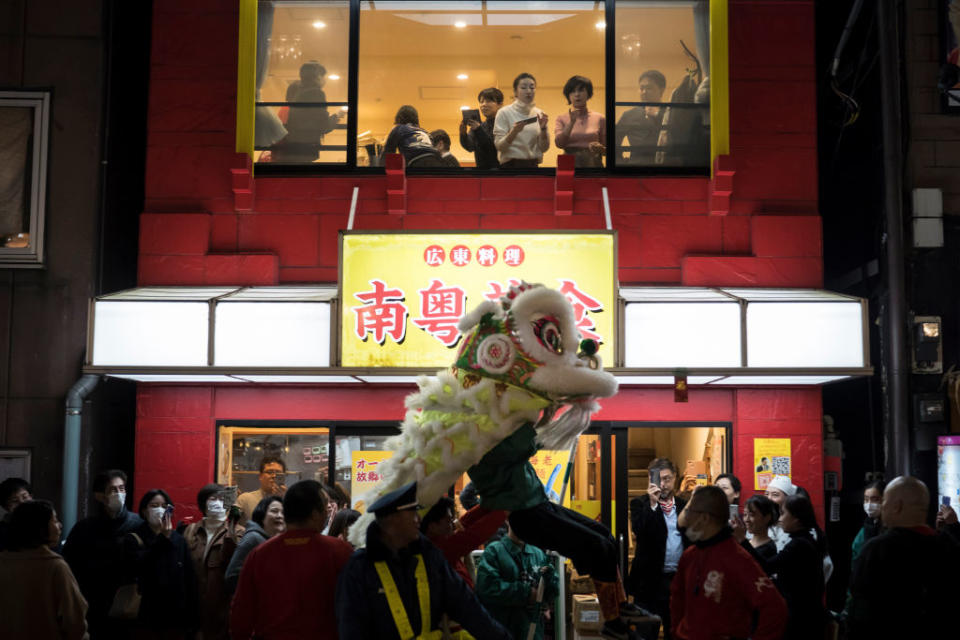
x=719, y=82
x=247, y=76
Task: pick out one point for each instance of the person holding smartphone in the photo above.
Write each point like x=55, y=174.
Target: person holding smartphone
x=158, y=561
x=273, y=482
x=520, y=129
x=478, y=137
x=659, y=544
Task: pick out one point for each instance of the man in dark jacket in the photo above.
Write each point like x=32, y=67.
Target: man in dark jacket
x=388, y=589
x=95, y=552
x=905, y=581
x=659, y=543
x=479, y=137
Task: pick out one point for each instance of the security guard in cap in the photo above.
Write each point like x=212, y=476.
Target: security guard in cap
x=400, y=585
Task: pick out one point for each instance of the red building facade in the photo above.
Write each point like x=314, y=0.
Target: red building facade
x=208, y=221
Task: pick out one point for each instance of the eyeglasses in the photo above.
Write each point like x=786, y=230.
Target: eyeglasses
x=275, y=474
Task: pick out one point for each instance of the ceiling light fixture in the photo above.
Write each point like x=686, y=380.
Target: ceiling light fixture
x=460, y=24
x=319, y=24
x=601, y=25
x=333, y=76
x=462, y=76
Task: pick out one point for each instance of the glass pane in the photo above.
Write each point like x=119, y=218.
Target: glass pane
x=305, y=452
x=663, y=83
x=357, y=460
x=302, y=53
x=16, y=155
x=438, y=56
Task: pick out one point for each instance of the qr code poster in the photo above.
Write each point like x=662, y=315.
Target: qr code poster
x=771, y=457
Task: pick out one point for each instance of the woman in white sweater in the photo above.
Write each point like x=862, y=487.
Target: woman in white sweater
x=520, y=130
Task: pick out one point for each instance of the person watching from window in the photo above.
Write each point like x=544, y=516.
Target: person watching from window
x=441, y=142
x=273, y=474
x=641, y=125
x=477, y=137
x=39, y=597
x=581, y=132
x=731, y=486
x=520, y=129
x=306, y=126
x=409, y=139
x=266, y=522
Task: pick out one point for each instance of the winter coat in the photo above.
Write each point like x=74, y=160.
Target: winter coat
x=504, y=477
x=505, y=575
x=362, y=609
x=210, y=567
x=650, y=531
x=253, y=537
x=721, y=592
x=799, y=577
x=39, y=597
x=95, y=552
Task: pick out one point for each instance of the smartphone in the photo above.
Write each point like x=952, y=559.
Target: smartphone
x=945, y=501
x=529, y=120
x=734, y=511
x=655, y=477
x=471, y=114
x=230, y=496
x=169, y=511
x=235, y=513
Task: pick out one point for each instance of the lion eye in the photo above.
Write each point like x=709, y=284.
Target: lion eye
x=547, y=331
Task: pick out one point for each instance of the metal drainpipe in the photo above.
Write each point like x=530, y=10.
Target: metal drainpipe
x=898, y=416
x=71, y=447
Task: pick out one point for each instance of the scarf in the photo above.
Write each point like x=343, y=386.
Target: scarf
x=667, y=507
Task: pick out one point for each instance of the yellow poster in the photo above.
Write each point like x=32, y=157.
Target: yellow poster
x=364, y=475
x=551, y=466
x=771, y=457
x=401, y=294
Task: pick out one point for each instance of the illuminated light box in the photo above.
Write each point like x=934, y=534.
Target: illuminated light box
x=683, y=334
x=150, y=333
x=263, y=334
x=805, y=334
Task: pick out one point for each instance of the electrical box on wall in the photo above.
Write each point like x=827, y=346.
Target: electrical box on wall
x=927, y=352
x=927, y=218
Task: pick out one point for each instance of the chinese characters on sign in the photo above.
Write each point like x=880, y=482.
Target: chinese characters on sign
x=365, y=474
x=402, y=294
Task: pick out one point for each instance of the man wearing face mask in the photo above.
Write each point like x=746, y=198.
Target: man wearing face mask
x=212, y=542
x=719, y=590
x=94, y=550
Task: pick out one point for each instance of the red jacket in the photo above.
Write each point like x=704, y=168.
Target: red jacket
x=479, y=525
x=287, y=588
x=718, y=589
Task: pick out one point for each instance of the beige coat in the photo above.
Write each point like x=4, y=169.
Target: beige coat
x=39, y=597
x=210, y=565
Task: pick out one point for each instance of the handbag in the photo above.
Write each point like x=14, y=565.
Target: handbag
x=126, y=601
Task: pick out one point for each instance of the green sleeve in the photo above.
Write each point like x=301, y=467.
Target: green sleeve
x=495, y=585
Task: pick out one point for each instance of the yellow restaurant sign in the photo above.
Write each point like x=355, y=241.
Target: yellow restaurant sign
x=401, y=294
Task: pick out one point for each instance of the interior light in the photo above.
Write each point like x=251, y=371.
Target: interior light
x=333, y=76
x=460, y=24
x=601, y=25
x=464, y=107
x=319, y=24
x=930, y=329
x=462, y=76
x=344, y=108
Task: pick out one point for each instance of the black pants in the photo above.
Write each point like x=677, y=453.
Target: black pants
x=658, y=602
x=586, y=542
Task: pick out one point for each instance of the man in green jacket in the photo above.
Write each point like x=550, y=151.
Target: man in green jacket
x=508, y=577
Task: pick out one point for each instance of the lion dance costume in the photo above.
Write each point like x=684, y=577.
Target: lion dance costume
x=522, y=380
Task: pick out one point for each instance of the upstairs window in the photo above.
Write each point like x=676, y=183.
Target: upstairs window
x=339, y=83
x=24, y=127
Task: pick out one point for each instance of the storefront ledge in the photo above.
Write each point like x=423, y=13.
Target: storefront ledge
x=628, y=377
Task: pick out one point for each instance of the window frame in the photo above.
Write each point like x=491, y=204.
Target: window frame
x=32, y=256
x=719, y=108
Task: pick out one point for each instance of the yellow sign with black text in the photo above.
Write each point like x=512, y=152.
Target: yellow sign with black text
x=401, y=294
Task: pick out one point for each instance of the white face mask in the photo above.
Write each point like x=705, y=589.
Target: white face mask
x=116, y=501
x=215, y=510
x=155, y=515
x=693, y=535
x=872, y=509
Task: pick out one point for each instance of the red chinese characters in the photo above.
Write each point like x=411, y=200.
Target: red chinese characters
x=497, y=289
x=440, y=309
x=434, y=255
x=382, y=314
x=582, y=303
x=487, y=256
x=460, y=255
x=513, y=255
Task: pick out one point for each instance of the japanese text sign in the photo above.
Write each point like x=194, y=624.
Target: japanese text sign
x=402, y=293
x=365, y=474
